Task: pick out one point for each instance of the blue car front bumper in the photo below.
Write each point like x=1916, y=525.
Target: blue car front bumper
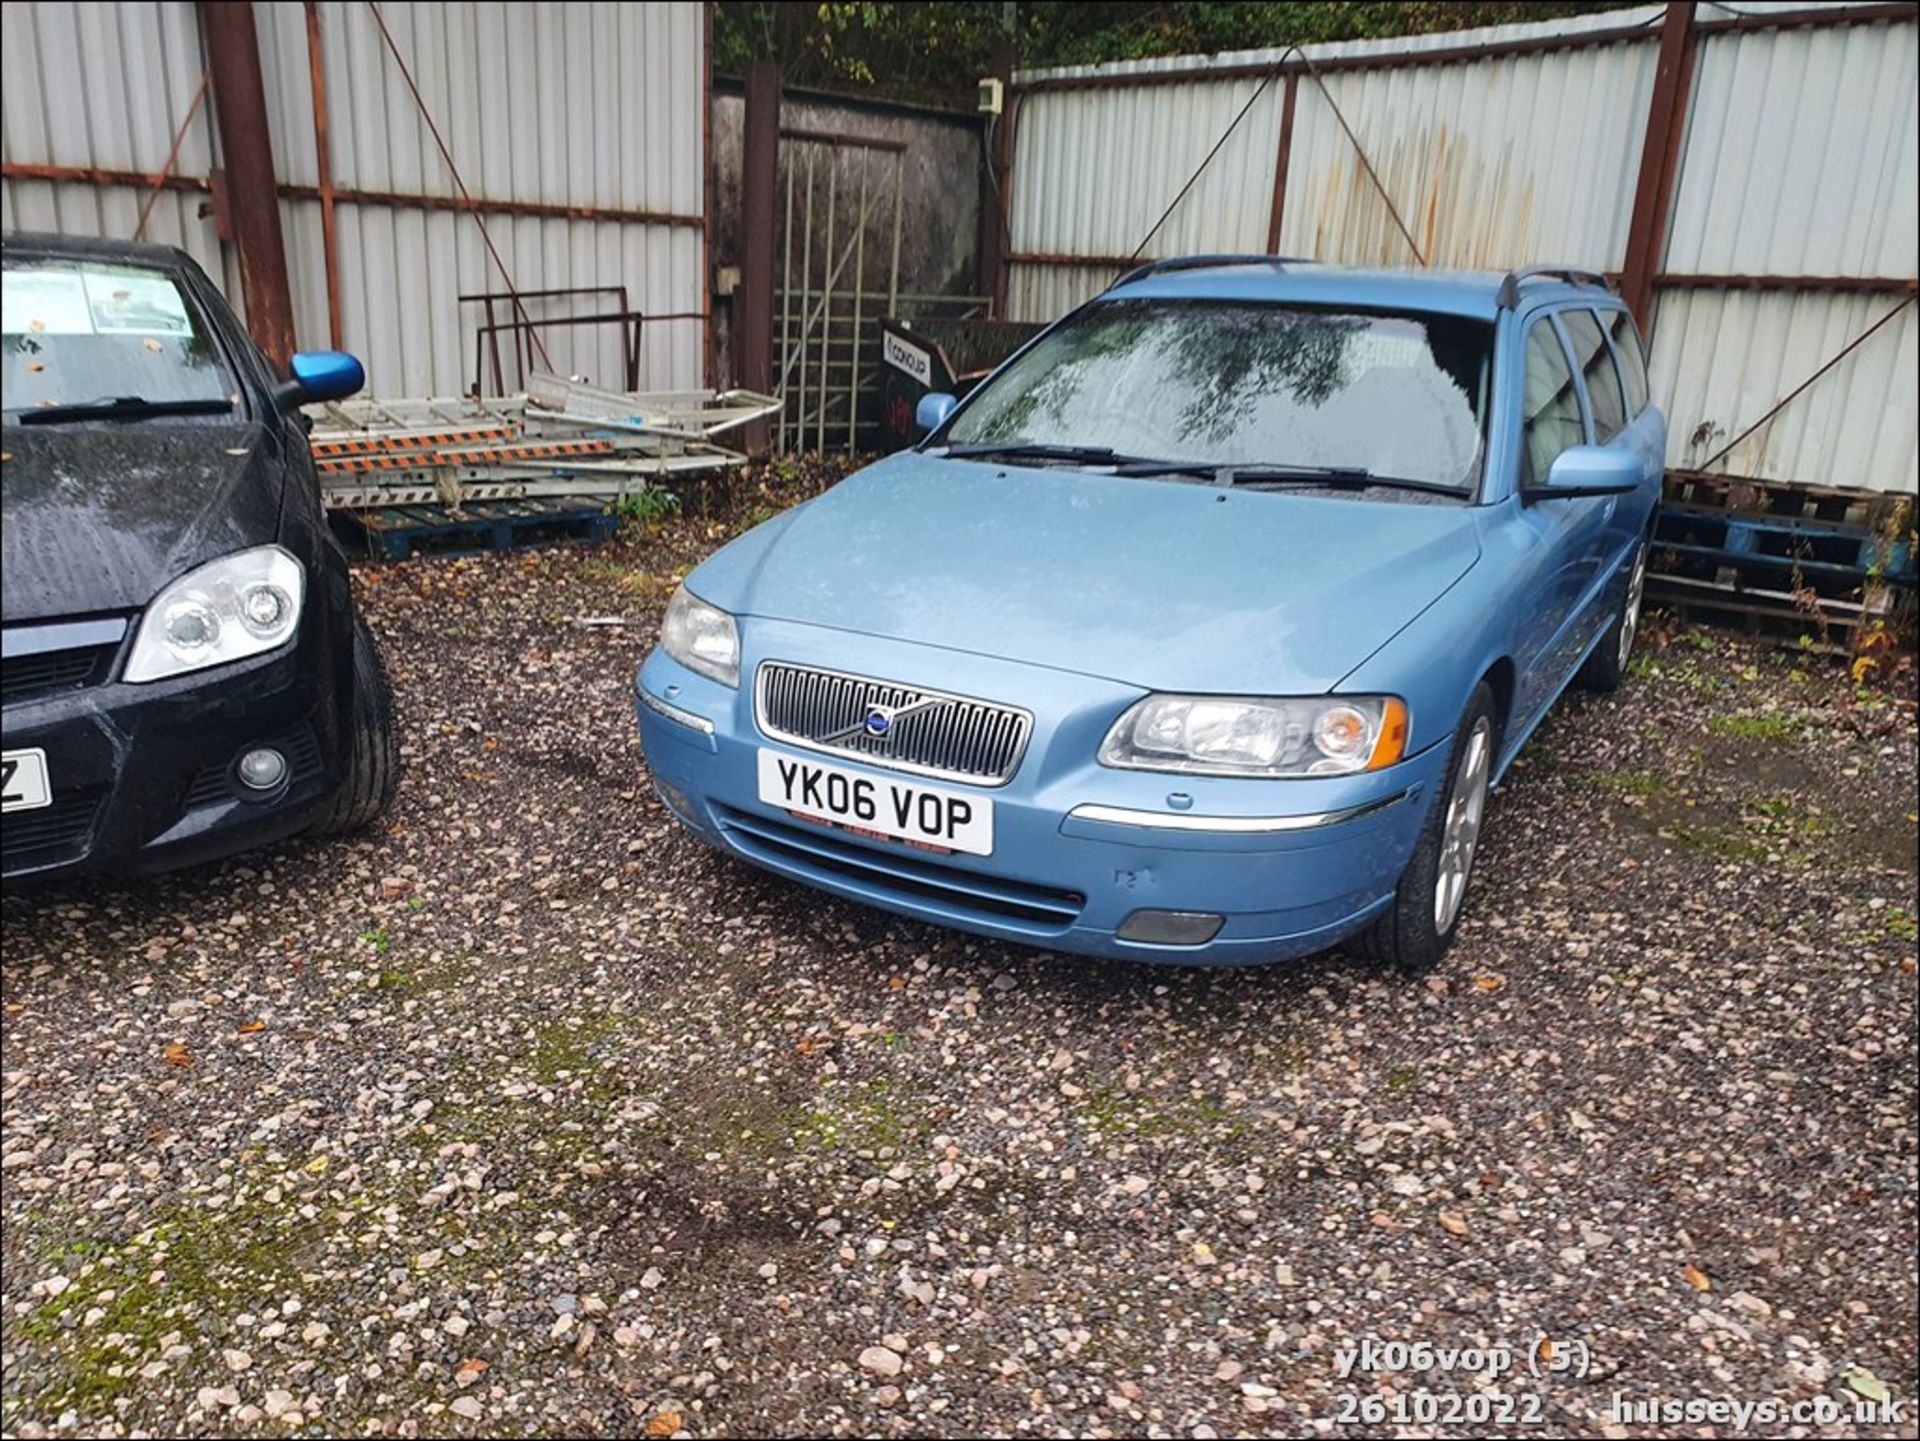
x=1292, y=866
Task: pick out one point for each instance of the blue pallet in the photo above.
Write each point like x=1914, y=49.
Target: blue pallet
x=398, y=532
x=1835, y=552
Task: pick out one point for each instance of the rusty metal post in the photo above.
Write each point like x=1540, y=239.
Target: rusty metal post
x=759, y=183
x=240, y=105
x=316, y=64
x=1659, y=161
x=996, y=231
x=1283, y=159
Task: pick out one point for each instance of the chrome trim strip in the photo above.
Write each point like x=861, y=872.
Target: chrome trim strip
x=37, y=638
x=1019, y=717
x=1229, y=825
x=673, y=712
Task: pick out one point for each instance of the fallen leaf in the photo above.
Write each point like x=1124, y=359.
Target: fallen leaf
x=250, y=1028
x=806, y=1045
x=1697, y=1278
x=473, y=1365
x=897, y=983
x=1453, y=1223
x=175, y=1054
x=36, y=366
x=1489, y=983
x=665, y=1423
x=151, y=344
x=1863, y=1382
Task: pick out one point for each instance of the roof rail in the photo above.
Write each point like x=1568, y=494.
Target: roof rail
x=1509, y=296
x=1206, y=262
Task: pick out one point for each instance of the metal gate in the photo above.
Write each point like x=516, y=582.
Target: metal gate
x=843, y=210
x=822, y=313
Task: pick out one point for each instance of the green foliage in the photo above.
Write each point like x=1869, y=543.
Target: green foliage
x=937, y=51
x=648, y=506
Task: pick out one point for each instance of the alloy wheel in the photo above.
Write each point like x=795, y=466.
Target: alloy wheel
x=1466, y=804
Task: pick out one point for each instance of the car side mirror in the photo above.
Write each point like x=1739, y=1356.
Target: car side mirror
x=1590, y=470
x=932, y=411
x=319, y=375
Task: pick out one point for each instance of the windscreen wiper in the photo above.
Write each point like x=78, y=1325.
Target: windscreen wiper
x=1340, y=477
x=122, y=407
x=1035, y=450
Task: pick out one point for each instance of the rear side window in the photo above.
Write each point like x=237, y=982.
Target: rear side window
x=1590, y=353
x=1550, y=414
x=1626, y=349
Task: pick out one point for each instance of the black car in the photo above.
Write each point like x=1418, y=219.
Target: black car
x=184, y=674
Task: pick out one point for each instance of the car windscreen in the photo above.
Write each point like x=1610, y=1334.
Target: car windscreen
x=1231, y=383
x=76, y=332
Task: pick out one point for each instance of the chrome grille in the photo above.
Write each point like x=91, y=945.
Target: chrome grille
x=930, y=732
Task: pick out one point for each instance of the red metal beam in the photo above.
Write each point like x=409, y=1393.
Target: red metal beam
x=1829, y=284
x=1281, y=161
x=391, y=199
x=240, y=103
x=1828, y=16
x=95, y=175
x=316, y=65
x=759, y=199
x=1659, y=160
x=406, y=200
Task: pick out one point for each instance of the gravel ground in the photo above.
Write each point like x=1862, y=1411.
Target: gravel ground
x=529, y=1114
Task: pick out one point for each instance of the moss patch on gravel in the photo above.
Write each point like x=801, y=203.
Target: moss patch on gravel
x=1771, y=729
x=125, y=1298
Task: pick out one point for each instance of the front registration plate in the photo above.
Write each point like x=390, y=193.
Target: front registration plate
x=23, y=781
x=876, y=806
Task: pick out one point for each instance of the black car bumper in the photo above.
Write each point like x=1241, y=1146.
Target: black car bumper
x=142, y=776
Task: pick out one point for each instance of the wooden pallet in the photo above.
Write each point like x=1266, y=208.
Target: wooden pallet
x=1803, y=577
x=1773, y=499
x=398, y=532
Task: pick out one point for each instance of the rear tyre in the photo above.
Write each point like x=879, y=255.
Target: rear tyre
x=1606, y=668
x=1419, y=926
x=373, y=755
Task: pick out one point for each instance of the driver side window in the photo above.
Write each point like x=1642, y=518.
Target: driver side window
x=1550, y=405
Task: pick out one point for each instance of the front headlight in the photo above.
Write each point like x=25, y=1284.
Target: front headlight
x=1234, y=736
x=701, y=637
x=239, y=605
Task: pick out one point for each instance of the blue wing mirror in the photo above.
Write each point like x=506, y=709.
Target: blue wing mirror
x=1590, y=470
x=932, y=411
x=320, y=375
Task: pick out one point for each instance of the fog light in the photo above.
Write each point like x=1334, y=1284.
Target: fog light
x=1171, y=928
x=676, y=802
x=262, y=769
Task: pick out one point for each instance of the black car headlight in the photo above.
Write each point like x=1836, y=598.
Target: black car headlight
x=226, y=610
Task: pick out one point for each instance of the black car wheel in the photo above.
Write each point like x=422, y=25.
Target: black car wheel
x=1419, y=926
x=373, y=766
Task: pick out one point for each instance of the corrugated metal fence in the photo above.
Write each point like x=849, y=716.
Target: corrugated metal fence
x=579, y=129
x=1793, y=221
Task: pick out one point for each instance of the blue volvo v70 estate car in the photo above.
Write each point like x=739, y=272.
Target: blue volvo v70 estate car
x=1198, y=632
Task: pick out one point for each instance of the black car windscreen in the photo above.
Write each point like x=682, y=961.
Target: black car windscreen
x=75, y=331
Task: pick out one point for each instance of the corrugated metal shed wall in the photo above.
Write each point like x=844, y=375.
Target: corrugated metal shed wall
x=104, y=87
x=568, y=104
x=1490, y=162
x=577, y=104
x=1800, y=158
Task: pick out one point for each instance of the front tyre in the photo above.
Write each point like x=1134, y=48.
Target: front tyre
x=373, y=755
x=1606, y=668
x=1419, y=926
